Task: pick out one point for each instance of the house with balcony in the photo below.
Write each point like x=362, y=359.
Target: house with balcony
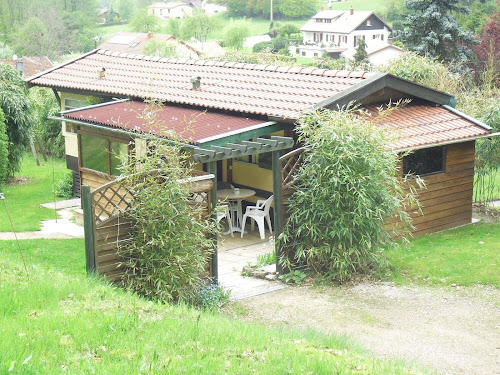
x=335, y=31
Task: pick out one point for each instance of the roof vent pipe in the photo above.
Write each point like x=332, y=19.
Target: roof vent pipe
x=351, y=10
x=100, y=72
x=195, y=81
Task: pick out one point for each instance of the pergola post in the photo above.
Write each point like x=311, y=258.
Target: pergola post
x=212, y=168
x=278, y=217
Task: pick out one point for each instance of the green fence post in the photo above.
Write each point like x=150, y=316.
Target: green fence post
x=88, y=225
x=278, y=218
x=212, y=168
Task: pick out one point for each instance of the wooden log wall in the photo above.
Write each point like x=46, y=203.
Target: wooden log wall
x=447, y=199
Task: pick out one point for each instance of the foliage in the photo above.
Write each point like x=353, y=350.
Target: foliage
x=199, y=25
x=488, y=49
x=281, y=8
x=345, y=189
x=266, y=47
x=361, y=56
x=170, y=246
x=287, y=29
x=44, y=104
x=142, y=22
x=174, y=27
x=266, y=259
x=430, y=30
x=236, y=33
x=4, y=149
x=298, y=8
x=125, y=8
x=160, y=48
x=5, y=51
x=480, y=11
x=327, y=63
x=259, y=58
x=64, y=187
x=15, y=103
x=211, y=296
x=424, y=71
x=293, y=277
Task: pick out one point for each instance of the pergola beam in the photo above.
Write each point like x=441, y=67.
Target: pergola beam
x=244, y=148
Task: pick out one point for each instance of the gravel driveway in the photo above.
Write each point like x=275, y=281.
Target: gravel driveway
x=452, y=331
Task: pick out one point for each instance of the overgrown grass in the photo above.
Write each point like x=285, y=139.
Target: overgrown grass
x=57, y=321
x=464, y=256
x=34, y=186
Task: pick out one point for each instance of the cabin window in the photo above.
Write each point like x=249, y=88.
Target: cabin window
x=72, y=103
x=425, y=161
x=368, y=22
x=303, y=53
x=101, y=154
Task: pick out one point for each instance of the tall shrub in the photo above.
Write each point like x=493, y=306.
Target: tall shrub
x=4, y=149
x=171, y=243
x=346, y=188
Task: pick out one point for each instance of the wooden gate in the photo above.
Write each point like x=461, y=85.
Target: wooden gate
x=107, y=225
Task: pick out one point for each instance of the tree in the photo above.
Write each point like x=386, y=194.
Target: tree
x=15, y=104
x=199, y=26
x=361, y=56
x=489, y=43
x=235, y=34
x=345, y=189
x=125, y=8
x=430, y=30
x=5, y=51
x=298, y=8
x=142, y=22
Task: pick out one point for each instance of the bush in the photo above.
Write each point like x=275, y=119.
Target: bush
x=211, y=296
x=263, y=47
x=171, y=243
x=346, y=188
x=4, y=149
x=64, y=187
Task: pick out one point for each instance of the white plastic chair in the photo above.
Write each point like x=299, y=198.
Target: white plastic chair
x=224, y=213
x=258, y=213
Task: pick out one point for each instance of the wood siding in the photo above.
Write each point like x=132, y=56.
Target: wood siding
x=447, y=198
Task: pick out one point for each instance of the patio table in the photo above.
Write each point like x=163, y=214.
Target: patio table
x=236, y=195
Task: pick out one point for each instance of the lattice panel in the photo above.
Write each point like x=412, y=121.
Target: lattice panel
x=110, y=201
x=289, y=164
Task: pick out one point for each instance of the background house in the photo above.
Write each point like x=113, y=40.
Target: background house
x=378, y=52
x=181, y=9
x=136, y=42
x=28, y=66
x=339, y=30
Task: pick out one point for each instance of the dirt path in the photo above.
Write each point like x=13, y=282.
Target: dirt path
x=452, y=331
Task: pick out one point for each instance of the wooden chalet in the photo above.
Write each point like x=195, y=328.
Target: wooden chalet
x=238, y=121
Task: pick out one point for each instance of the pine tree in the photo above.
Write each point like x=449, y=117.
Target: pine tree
x=361, y=56
x=432, y=31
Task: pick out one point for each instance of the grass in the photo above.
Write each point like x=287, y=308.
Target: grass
x=23, y=199
x=464, y=256
x=58, y=320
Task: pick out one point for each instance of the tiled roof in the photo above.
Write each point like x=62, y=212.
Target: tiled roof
x=31, y=65
x=274, y=91
x=189, y=124
x=417, y=126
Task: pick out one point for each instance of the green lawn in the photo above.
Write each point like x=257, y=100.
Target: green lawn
x=57, y=320
x=23, y=199
x=464, y=256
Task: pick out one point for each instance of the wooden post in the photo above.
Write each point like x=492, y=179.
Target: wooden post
x=212, y=168
x=88, y=225
x=278, y=218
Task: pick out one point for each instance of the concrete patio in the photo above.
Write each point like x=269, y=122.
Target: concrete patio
x=234, y=253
